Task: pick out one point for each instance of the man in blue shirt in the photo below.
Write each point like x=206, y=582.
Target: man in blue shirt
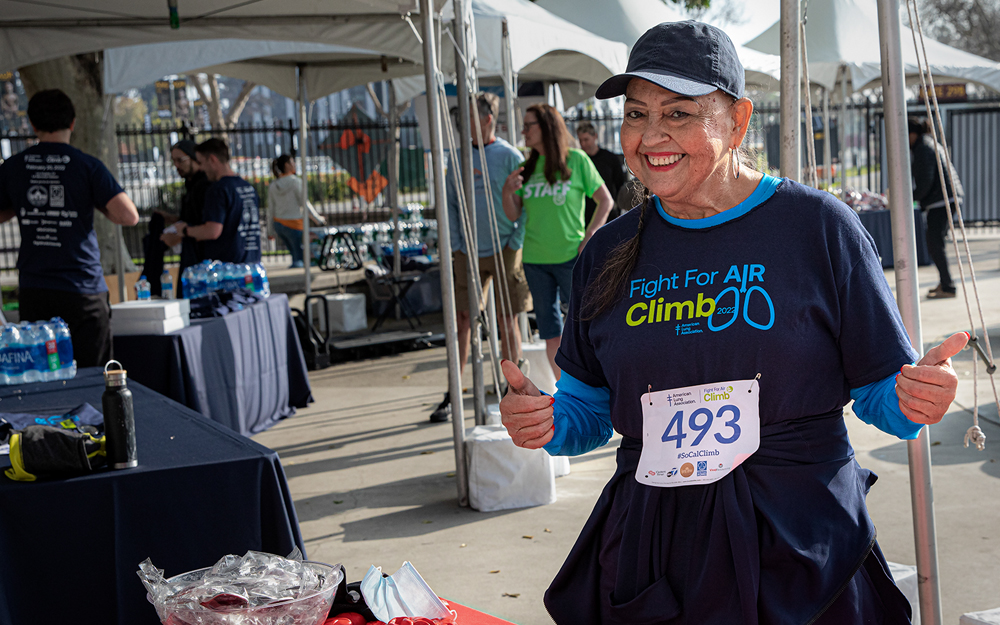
x=231, y=213
x=501, y=160
x=53, y=188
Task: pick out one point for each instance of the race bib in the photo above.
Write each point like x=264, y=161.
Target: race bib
x=698, y=434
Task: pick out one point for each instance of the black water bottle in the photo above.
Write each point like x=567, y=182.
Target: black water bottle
x=119, y=420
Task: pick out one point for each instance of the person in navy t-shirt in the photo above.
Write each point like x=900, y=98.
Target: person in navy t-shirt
x=53, y=188
x=721, y=327
x=231, y=213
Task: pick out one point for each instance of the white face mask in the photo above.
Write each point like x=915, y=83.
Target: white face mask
x=404, y=593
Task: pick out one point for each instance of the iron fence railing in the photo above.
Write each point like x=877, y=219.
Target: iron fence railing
x=347, y=175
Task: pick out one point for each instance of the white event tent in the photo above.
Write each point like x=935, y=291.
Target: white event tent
x=542, y=47
x=627, y=20
x=845, y=34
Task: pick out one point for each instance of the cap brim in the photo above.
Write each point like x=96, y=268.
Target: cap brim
x=616, y=85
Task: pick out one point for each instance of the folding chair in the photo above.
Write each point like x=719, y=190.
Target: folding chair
x=388, y=288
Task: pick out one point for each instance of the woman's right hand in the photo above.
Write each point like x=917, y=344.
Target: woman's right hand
x=513, y=182
x=524, y=411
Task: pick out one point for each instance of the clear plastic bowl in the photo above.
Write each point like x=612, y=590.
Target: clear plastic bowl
x=311, y=609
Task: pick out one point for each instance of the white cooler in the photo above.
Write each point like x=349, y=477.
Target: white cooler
x=346, y=313
x=150, y=316
x=504, y=476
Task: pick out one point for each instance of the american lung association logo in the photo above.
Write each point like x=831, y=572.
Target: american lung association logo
x=38, y=195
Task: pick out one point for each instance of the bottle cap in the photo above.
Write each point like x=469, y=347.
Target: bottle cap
x=115, y=377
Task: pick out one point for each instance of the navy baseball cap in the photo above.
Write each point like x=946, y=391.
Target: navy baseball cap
x=690, y=58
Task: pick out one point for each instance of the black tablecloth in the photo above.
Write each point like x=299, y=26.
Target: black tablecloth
x=879, y=225
x=69, y=548
x=245, y=370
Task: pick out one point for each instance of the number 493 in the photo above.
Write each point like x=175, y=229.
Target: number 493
x=701, y=421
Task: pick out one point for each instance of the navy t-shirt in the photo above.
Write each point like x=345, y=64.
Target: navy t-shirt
x=53, y=188
x=792, y=290
x=233, y=202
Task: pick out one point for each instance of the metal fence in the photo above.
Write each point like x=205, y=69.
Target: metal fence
x=345, y=169
x=347, y=177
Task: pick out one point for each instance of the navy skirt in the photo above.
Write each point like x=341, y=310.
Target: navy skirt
x=784, y=539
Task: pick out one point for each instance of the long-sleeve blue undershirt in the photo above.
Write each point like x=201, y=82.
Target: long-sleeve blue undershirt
x=582, y=414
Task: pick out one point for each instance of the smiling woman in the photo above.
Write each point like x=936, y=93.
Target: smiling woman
x=721, y=327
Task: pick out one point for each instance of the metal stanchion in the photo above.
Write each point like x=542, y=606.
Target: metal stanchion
x=434, y=119
x=908, y=299
x=791, y=97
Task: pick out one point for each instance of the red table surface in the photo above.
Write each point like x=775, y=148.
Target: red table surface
x=468, y=616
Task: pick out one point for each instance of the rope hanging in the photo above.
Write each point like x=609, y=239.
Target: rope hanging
x=810, y=177
x=974, y=434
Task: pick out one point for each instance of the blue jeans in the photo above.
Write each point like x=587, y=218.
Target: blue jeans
x=292, y=239
x=550, y=287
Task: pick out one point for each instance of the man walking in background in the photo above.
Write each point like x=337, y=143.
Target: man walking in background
x=928, y=191
x=53, y=188
x=185, y=159
x=501, y=160
x=231, y=232
x=611, y=166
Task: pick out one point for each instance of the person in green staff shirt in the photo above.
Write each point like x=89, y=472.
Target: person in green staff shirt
x=551, y=188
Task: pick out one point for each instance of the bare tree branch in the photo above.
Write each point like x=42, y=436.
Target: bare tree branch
x=237, y=105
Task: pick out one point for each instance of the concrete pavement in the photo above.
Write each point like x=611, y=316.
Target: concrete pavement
x=373, y=481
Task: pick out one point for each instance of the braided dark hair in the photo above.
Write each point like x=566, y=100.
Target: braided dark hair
x=607, y=288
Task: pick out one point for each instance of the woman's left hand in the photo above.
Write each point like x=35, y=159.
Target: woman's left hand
x=926, y=389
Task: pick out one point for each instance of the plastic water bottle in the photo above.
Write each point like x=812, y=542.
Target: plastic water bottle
x=212, y=278
x=200, y=286
x=166, y=285
x=64, y=347
x=187, y=278
x=264, y=286
x=226, y=277
x=32, y=351
x=142, y=289
x=4, y=379
x=12, y=357
x=248, y=278
x=50, y=365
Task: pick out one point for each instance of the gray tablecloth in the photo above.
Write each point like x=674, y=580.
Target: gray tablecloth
x=245, y=370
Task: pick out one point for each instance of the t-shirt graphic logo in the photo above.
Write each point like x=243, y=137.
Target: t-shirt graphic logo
x=38, y=195
x=559, y=198
x=57, y=196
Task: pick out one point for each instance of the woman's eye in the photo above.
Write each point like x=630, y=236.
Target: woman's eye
x=633, y=114
x=677, y=115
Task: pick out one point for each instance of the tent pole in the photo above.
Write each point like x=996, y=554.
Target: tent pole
x=827, y=140
x=434, y=120
x=842, y=131
x=303, y=170
x=908, y=298
x=462, y=58
x=508, y=85
x=394, y=178
x=120, y=263
x=791, y=92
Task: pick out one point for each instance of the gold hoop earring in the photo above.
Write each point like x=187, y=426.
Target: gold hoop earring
x=736, y=163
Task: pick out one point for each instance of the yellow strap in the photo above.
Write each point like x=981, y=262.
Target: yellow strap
x=17, y=471
x=100, y=451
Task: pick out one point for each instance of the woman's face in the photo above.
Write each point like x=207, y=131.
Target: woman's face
x=676, y=145
x=290, y=167
x=532, y=131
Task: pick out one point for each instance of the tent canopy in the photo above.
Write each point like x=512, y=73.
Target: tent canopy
x=543, y=46
x=627, y=20
x=326, y=68
x=33, y=32
x=845, y=33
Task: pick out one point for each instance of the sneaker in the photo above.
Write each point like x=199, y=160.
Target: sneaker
x=939, y=293
x=443, y=411
x=524, y=366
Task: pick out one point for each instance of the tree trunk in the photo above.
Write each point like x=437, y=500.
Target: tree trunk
x=237, y=105
x=80, y=77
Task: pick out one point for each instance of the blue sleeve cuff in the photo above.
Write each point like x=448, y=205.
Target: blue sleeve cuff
x=877, y=404
x=581, y=416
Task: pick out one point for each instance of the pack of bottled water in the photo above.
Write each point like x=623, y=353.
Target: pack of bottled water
x=39, y=351
x=210, y=276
